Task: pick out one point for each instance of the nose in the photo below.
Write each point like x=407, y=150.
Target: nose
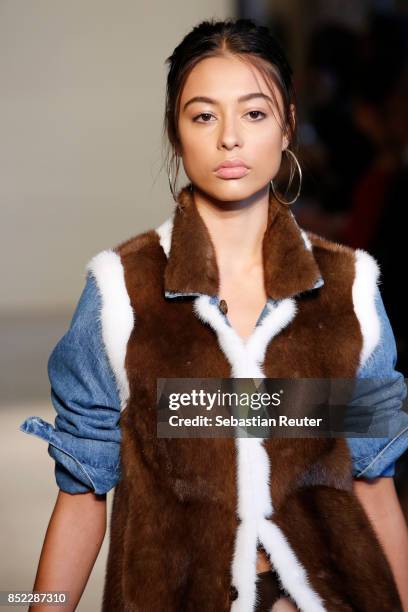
x=229, y=136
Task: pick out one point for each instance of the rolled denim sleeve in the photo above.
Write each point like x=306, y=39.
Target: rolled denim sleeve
x=385, y=396
x=85, y=441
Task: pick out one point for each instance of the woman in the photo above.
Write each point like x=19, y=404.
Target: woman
x=228, y=286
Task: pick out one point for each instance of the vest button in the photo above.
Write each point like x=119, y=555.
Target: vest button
x=233, y=592
x=223, y=306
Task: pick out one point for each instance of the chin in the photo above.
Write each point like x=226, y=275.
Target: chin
x=235, y=189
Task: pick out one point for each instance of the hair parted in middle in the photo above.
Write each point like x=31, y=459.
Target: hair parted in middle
x=255, y=45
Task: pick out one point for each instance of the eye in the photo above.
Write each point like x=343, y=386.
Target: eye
x=202, y=115
x=257, y=111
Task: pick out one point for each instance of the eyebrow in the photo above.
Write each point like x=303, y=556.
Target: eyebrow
x=244, y=98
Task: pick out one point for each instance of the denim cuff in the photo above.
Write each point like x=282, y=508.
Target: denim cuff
x=385, y=452
x=81, y=465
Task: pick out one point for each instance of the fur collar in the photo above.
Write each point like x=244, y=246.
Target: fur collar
x=289, y=265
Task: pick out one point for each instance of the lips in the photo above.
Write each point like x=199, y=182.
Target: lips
x=232, y=168
x=231, y=173
x=232, y=163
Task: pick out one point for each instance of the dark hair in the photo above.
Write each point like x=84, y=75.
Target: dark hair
x=254, y=44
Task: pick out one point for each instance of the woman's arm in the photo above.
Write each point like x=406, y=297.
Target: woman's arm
x=380, y=501
x=72, y=542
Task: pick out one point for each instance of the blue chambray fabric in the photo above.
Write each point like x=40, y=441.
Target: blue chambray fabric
x=385, y=395
x=85, y=441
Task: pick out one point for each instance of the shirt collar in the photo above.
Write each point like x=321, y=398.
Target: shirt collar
x=191, y=268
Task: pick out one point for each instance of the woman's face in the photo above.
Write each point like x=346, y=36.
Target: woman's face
x=225, y=127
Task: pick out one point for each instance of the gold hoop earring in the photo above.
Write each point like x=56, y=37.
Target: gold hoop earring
x=290, y=181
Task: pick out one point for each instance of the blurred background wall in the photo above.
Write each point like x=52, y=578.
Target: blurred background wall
x=81, y=168
x=81, y=154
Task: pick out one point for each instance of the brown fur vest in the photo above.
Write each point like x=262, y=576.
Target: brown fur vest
x=189, y=514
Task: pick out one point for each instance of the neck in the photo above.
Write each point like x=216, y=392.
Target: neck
x=236, y=229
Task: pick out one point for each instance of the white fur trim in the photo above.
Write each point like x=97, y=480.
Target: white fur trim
x=291, y=573
x=253, y=470
x=306, y=240
x=367, y=273
x=116, y=314
x=165, y=231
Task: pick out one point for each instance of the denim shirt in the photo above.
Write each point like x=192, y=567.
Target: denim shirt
x=85, y=441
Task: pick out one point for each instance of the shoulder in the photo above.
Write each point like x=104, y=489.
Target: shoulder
x=340, y=263
x=380, y=388
x=87, y=306
x=134, y=253
x=107, y=294
x=352, y=273
x=364, y=263
x=383, y=359
x=84, y=327
x=78, y=361
x=139, y=255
